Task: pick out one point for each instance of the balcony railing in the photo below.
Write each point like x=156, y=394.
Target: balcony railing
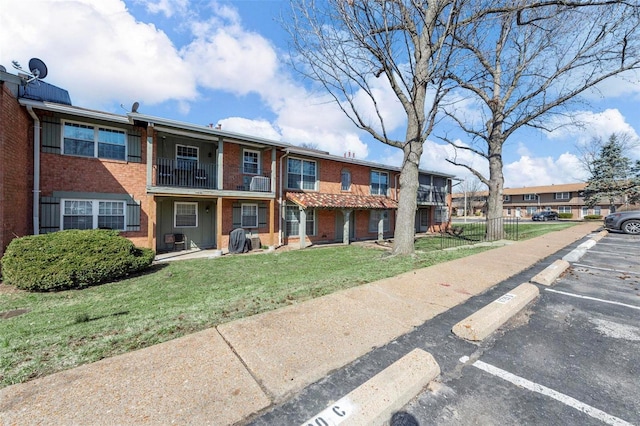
x=432, y=196
x=185, y=174
x=245, y=182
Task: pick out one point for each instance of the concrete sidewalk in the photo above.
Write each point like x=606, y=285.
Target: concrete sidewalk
x=224, y=375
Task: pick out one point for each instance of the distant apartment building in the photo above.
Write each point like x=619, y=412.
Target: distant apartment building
x=160, y=181
x=524, y=202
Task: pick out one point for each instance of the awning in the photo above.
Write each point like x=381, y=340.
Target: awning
x=340, y=201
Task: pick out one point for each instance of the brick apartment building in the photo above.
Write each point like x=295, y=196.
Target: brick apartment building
x=524, y=202
x=156, y=179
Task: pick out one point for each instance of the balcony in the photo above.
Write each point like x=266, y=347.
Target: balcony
x=184, y=174
x=432, y=197
x=244, y=182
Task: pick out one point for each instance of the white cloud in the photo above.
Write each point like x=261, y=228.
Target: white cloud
x=258, y=128
x=97, y=49
x=593, y=124
x=167, y=7
x=534, y=171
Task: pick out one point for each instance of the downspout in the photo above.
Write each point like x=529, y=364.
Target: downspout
x=281, y=206
x=36, y=171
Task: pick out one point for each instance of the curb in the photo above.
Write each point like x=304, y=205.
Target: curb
x=373, y=402
x=551, y=272
x=482, y=323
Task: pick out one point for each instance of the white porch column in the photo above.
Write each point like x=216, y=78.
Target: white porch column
x=381, y=226
x=346, y=231
x=302, y=227
x=219, y=164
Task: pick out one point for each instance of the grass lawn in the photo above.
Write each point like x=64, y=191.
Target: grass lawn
x=65, y=329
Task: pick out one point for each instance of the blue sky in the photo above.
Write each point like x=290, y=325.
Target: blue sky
x=224, y=62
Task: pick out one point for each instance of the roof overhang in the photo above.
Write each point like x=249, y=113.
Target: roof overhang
x=75, y=111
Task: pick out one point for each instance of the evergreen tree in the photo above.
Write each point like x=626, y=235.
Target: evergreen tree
x=613, y=176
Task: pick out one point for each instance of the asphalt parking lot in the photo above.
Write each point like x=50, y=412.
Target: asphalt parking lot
x=572, y=358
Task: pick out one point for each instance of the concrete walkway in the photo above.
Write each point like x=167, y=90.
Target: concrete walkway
x=223, y=375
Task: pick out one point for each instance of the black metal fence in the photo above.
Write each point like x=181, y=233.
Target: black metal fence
x=460, y=234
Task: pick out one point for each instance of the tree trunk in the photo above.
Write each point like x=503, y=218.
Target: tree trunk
x=495, y=229
x=403, y=242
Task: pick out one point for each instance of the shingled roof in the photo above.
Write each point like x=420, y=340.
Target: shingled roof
x=341, y=201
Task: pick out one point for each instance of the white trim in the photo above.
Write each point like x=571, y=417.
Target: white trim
x=301, y=181
x=242, y=216
x=197, y=148
x=96, y=139
x=95, y=211
x=258, y=163
x=175, y=211
x=371, y=181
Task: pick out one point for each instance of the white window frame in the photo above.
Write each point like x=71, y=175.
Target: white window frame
x=257, y=163
x=532, y=210
x=506, y=198
x=441, y=215
x=95, y=212
x=564, y=209
x=530, y=197
x=562, y=196
x=96, y=139
x=311, y=221
x=175, y=213
x=300, y=181
x=379, y=172
x=243, y=216
x=597, y=210
x=374, y=218
x=187, y=159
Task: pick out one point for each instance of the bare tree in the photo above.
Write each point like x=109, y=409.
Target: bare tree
x=346, y=44
x=529, y=62
x=521, y=59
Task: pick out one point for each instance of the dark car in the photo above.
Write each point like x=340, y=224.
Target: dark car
x=545, y=215
x=628, y=222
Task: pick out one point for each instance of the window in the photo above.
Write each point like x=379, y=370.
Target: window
x=442, y=215
x=90, y=141
x=186, y=157
x=379, y=183
x=374, y=218
x=531, y=210
x=345, y=179
x=584, y=211
x=250, y=162
x=507, y=198
x=564, y=209
x=301, y=174
x=597, y=210
x=562, y=195
x=292, y=219
x=249, y=215
x=530, y=197
x=185, y=215
x=93, y=214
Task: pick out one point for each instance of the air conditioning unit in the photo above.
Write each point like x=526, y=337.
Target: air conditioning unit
x=260, y=183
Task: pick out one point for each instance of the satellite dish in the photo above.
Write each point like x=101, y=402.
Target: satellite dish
x=134, y=107
x=2, y=68
x=37, y=68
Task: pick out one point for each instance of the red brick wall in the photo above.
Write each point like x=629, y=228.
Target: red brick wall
x=16, y=169
x=79, y=174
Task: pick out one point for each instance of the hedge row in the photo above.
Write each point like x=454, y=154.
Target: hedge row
x=71, y=259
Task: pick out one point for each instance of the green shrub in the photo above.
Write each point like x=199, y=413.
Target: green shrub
x=593, y=217
x=565, y=215
x=71, y=259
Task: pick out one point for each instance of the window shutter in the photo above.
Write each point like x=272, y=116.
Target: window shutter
x=262, y=216
x=237, y=215
x=133, y=215
x=49, y=214
x=51, y=136
x=134, y=147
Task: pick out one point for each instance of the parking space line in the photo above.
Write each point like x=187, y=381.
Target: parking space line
x=579, y=296
x=535, y=387
x=605, y=269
